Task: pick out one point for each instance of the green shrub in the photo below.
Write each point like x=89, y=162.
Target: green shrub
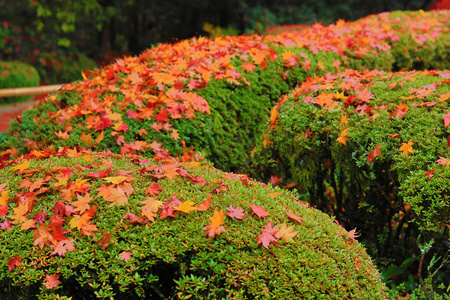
x=55, y=65
x=62, y=66
x=17, y=75
x=213, y=96
x=82, y=224
x=362, y=146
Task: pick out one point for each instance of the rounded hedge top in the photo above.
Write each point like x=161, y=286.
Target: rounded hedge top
x=85, y=223
x=390, y=127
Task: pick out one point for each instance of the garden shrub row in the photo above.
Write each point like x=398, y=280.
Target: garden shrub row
x=215, y=95
x=17, y=75
x=211, y=97
x=372, y=149
x=88, y=225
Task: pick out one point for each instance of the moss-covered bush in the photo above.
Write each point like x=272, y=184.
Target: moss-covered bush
x=211, y=95
x=82, y=224
x=370, y=148
x=17, y=75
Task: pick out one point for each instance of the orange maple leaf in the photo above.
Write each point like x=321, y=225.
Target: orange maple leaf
x=407, y=148
x=205, y=204
x=215, y=226
x=117, y=196
x=20, y=212
x=51, y=281
x=342, y=139
x=82, y=204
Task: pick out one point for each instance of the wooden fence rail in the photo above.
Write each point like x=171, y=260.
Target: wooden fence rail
x=26, y=91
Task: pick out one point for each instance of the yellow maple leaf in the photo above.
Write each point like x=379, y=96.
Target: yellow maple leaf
x=217, y=219
x=23, y=166
x=116, y=179
x=151, y=205
x=286, y=233
x=186, y=207
x=407, y=148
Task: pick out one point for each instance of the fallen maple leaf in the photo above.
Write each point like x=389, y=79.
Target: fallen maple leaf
x=23, y=166
x=116, y=179
x=407, y=148
x=51, y=281
x=267, y=236
x=342, y=139
x=237, y=213
x=215, y=226
x=186, y=207
x=106, y=240
x=353, y=234
x=63, y=246
x=429, y=173
x=82, y=204
x=375, y=152
x=125, y=255
x=205, y=204
x=294, y=217
x=13, y=262
x=286, y=233
x=443, y=161
x=259, y=211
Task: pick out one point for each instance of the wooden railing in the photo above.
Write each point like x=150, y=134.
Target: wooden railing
x=26, y=91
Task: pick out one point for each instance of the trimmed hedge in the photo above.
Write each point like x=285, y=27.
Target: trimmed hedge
x=17, y=75
x=215, y=95
x=371, y=148
x=84, y=224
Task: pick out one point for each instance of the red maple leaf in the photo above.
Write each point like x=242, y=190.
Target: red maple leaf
x=275, y=180
x=267, y=236
x=167, y=208
x=13, y=262
x=259, y=211
x=375, y=152
x=429, y=173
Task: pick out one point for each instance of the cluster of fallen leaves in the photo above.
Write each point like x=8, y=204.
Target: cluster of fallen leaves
x=83, y=188
x=161, y=85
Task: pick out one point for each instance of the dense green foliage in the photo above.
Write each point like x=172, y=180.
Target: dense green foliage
x=370, y=149
x=54, y=64
x=118, y=252
x=17, y=75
